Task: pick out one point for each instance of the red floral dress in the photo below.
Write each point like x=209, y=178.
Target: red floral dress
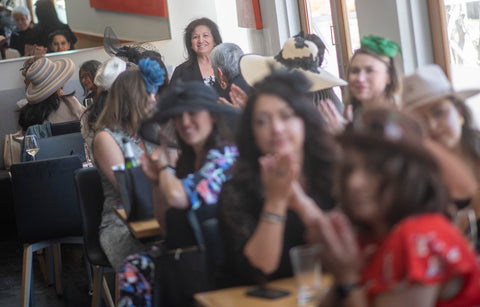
x=425, y=249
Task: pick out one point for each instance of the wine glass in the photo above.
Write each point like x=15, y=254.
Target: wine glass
x=31, y=145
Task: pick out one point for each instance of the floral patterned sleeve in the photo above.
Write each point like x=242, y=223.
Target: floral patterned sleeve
x=205, y=185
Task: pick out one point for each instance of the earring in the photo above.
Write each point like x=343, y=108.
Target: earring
x=462, y=121
x=223, y=85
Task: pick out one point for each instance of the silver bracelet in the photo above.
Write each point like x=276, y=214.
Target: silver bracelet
x=272, y=217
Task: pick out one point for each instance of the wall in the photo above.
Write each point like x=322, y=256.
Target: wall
x=403, y=21
x=82, y=17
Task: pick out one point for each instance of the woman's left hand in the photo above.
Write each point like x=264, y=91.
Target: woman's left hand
x=335, y=122
x=238, y=96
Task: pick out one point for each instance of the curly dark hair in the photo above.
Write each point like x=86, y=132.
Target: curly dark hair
x=319, y=153
x=217, y=38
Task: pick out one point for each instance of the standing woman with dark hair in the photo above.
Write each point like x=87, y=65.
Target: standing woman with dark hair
x=201, y=36
x=48, y=22
x=282, y=179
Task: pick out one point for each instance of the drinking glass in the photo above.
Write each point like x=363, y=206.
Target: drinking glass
x=308, y=273
x=31, y=145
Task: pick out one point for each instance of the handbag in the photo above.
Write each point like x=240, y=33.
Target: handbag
x=12, y=148
x=135, y=193
x=185, y=265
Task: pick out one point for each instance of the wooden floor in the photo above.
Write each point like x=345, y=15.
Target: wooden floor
x=75, y=278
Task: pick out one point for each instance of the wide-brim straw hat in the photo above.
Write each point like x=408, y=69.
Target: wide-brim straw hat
x=46, y=77
x=297, y=54
x=108, y=72
x=427, y=85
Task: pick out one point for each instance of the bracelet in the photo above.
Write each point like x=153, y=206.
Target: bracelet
x=344, y=290
x=166, y=166
x=272, y=217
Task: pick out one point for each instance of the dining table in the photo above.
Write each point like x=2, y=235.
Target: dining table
x=140, y=229
x=237, y=296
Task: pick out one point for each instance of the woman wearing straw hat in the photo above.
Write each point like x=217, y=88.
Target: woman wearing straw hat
x=46, y=100
x=428, y=94
x=302, y=53
x=392, y=245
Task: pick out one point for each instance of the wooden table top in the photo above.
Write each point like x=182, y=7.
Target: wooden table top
x=140, y=229
x=236, y=297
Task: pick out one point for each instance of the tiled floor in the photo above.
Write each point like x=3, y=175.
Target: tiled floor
x=74, y=277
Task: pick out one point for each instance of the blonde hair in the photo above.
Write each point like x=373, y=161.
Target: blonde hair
x=127, y=104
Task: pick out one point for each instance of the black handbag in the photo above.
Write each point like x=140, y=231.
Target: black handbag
x=135, y=193
x=186, y=264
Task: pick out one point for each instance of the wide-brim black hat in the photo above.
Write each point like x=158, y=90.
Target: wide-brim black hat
x=190, y=96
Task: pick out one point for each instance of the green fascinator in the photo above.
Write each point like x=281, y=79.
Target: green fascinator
x=380, y=45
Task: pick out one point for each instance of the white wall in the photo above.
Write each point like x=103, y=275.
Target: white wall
x=82, y=17
x=403, y=21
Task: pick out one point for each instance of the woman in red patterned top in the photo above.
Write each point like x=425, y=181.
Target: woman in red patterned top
x=397, y=247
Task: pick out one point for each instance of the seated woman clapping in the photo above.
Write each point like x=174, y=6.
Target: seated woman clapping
x=282, y=180
x=396, y=248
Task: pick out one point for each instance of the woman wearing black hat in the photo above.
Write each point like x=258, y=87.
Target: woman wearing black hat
x=204, y=164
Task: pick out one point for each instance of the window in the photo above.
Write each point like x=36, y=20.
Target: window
x=335, y=22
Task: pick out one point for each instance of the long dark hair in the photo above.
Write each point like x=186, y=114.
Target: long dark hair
x=187, y=37
x=38, y=113
x=219, y=137
x=318, y=145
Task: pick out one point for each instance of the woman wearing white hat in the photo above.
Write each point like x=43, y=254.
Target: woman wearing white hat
x=447, y=119
x=46, y=100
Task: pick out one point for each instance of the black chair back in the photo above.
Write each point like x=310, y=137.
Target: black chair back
x=90, y=200
x=45, y=201
x=62, y=145
x=65, y=128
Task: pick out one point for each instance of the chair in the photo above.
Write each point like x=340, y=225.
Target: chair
x=46, y=211
x=62, y=145
x=65, y=128
x=90, y=199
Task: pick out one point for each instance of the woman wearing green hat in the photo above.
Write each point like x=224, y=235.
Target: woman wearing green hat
x=373, y=78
